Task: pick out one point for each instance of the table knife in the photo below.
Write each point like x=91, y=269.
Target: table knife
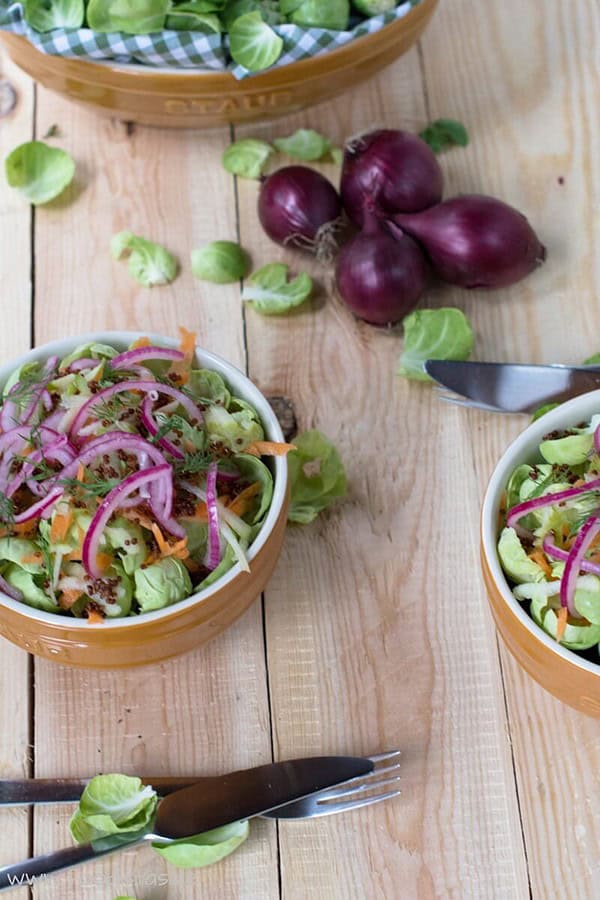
x=513, y=387
x=206, y=804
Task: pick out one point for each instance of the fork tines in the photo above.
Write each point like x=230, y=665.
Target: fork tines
x=368, y=787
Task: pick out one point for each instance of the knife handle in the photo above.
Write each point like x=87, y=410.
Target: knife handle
x=37, y=868
x=28, y=791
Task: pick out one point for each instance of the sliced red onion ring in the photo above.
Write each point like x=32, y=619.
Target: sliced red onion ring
x=521, y=509
x=140, y=354
x=550, y=549
x=144, y=387
x=40, y=506
x=49, y=371
x=60, y=451
x=47, y=400
x=108, y=506
x=214, y=544
x=568, y=583
x=9, y=590
x=79, y=365
x=151, y=427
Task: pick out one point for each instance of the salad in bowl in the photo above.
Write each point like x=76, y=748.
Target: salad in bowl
x=549, y=540
x=130, y=480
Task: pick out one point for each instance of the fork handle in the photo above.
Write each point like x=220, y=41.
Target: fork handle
x=37, y=868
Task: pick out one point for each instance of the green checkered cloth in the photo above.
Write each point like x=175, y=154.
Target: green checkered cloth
x=187, y=49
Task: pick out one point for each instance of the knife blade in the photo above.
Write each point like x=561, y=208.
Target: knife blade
x=513, y=387
x=207, y=804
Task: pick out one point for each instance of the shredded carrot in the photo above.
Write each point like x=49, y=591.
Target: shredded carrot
x=188, y=342
x=268, y=448
x=99, y=373
x=200, y=513
x=141, y=342
x=60, y=526
x=139, y=518
x=94, y=617
x=538, y=556
x=80, y=473
x=103, y=561
x=25, y=528
x=68, y=597
x=561, y=623
x=32, y=558
x=162, y=544
x=243, y=501
x=187, y=346
x=179, y=550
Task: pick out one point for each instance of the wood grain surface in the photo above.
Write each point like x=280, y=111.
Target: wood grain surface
x=374, y=631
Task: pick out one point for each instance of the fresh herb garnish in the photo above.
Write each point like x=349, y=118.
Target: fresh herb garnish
x=195, y=462
x=7, y=510
x=445, y=133
x=98, y=487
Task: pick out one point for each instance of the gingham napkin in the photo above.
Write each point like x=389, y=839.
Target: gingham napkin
x=186, y=49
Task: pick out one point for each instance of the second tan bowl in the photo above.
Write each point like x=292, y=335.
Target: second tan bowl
x=568, y=676
x=155, y=636
x=188, y=99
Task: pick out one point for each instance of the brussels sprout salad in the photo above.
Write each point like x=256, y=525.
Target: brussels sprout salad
x=128, y=480
x=549, y=544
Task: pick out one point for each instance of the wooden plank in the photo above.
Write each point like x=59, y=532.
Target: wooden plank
x=208, y=711
x=381, y=639
x=15, y=265
x=522, y=79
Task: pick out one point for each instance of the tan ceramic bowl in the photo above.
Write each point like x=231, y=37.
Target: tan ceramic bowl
x=156, y=636
x=191, y=99
x=569, y=677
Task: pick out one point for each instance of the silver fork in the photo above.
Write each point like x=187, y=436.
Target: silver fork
x=352, y=794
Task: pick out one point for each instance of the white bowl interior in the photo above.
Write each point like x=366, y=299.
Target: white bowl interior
x=525, y=449
x=242, y=387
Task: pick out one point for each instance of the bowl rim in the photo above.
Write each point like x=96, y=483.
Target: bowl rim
x=520, y=450
x=247, y=390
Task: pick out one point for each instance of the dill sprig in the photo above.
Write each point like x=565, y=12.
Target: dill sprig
x=195, y=462
x=7, y=509
x=97, y=487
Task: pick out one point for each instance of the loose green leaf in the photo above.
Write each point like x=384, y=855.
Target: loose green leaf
x=317, y=476
x=543, y=410
x=40, y=172
x=196, y=15
x=434, y=334
x=305, y=144
x=445, y=133
x=150, y=264
x=129, y=16
x=268, y=9
x=592, y=360
x=269, y=292
x=247, y=158
x=204, y=849
x=111, y=805
x=337, y=156
x=45, y=15
x=220, y=262
x=334, y=14
x=373, y=7
x=253, y=44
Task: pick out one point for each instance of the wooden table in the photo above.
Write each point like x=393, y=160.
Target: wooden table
x=374, y=631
